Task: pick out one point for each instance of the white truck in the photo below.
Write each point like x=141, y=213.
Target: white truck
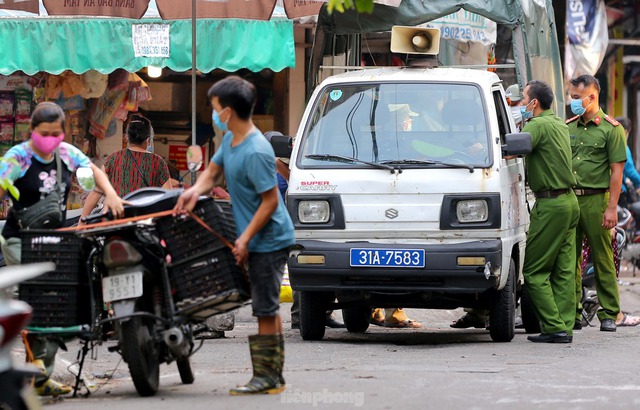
x=400, y=197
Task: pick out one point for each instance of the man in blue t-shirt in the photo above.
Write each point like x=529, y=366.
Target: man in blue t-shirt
x=264, y=228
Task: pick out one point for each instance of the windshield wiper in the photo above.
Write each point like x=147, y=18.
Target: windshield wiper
x=341, y=158
x=428, y=162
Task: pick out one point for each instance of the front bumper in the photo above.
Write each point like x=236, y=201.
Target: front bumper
x=441, y=273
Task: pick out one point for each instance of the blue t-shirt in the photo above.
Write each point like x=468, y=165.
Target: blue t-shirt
x=250, y=170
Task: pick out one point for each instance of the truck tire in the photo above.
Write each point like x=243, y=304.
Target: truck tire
x=502, y=315
x=313, y=313
x=529, y=319
x=357, y=319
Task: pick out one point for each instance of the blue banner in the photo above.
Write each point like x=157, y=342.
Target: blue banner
x=581, y=18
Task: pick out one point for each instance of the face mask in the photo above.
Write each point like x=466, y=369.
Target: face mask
x=526, y=115
x=46, y=145
x=576, y=106
x=150, y=146
x=224, y=126
x=516, y=113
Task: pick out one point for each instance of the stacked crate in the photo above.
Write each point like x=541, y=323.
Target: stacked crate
x=60, y=298
x=204, y=277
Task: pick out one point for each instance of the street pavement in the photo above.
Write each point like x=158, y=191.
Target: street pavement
x=435, y=367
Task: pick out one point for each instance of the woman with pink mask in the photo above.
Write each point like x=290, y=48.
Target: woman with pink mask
x=28, y=174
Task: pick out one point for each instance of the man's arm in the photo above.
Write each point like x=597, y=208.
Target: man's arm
x=283, y=169
x=267, y=207
x=610, y=218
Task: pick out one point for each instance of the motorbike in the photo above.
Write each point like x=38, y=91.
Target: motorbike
x=162, y=277
x=15, y=393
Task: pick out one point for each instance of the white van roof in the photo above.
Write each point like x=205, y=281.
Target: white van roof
x=393, y=74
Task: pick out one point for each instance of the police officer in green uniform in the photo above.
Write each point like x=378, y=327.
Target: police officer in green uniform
x=550, y=260
x=598, y=149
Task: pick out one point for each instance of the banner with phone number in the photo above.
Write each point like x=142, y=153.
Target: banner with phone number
x=466, y=26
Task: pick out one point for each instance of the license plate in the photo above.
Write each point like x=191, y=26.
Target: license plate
x=123, y=286
x=397, y=258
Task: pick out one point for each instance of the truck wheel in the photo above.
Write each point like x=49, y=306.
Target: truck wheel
x=357, y=319
x=313, y=313
x=502, y=314
x=529, y=318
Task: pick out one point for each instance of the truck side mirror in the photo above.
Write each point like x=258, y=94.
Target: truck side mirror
x=282, y=145
x=517, y=144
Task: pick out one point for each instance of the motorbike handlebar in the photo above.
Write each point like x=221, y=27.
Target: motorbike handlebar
x=93, y=218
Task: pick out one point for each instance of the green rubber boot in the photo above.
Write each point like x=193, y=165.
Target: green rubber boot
x=267, y=367
x=281, y=363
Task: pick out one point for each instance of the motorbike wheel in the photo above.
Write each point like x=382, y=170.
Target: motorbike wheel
x=184, y=368
x=502, y=314
x=357, y=319
x=140, y=352
x=529, y=318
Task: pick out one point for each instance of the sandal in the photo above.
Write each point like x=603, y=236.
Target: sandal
x=405, y=324
x=468, y=321
x=628, y=320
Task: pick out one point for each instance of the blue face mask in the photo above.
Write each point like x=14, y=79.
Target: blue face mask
x=216, y=120
x=576, y=106
x=526, y=115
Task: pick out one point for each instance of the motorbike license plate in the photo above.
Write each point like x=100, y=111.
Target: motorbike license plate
x=396, y=258
x=123, y=286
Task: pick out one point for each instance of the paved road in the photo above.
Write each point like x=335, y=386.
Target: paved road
x=436, y=367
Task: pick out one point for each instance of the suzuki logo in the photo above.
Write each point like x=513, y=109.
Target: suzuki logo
x=391, y=213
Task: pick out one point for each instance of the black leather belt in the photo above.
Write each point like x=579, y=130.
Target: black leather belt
x=589, y=191
x=552, y=193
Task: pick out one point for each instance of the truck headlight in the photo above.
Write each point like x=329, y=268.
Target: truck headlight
x=313, y=212
x=472, y=211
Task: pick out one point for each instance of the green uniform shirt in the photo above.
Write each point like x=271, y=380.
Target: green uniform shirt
x=549, y=164
x=594, y=146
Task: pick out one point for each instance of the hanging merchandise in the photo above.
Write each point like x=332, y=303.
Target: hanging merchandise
x=95, y=84
x=138, y=92
x=103, y=110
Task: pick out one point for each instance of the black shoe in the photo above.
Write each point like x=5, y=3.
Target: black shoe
x=557, y=337
x=295, y=326
x=334, y=324
x=577, y=325
x=607, y=325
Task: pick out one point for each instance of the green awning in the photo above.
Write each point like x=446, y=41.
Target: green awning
x=54, y=45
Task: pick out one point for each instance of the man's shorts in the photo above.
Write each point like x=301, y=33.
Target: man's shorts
x=265, y=273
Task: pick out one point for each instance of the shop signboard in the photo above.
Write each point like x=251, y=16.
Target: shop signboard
x=302, y=8
x=178, y=156
x=242, y=9
x=24, y=5
x=133, y=9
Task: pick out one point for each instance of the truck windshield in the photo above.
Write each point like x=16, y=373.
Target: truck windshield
x=420, y=125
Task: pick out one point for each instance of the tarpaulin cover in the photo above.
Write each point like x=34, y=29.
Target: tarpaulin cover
x=54, y=45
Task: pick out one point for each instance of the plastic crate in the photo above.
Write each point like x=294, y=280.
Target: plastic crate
x=65, y=249
x=185, y=238
x=209, y=284
x=57, y=304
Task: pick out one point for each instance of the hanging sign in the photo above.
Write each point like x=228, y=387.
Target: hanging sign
x=133, y=9
x=178, y=153
x=466, y=26
x=24, y=5
x=302, y=8
x=151, y=40
x=216, y=9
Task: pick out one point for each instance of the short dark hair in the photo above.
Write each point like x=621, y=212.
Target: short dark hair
x=541, y=91
x=139, y=129
x=625, y=122
x=47, y=112
x=237, y=93
x=587, y=80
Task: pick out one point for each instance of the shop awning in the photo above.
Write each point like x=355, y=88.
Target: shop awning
x=54, y=45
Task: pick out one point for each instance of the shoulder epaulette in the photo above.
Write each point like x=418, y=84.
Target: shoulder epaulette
x=611, y=120
x=572, y=119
